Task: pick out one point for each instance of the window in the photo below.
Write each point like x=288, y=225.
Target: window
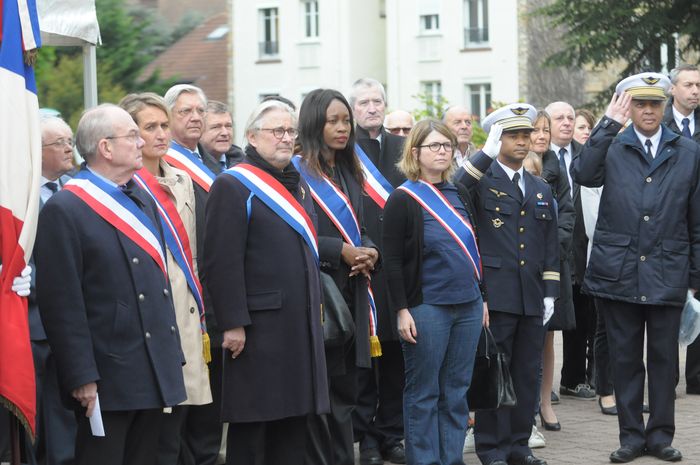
x=432, y=91
x=269, y=32
x=309, y=10
x=479, y=98
x=476, y=22
x=429, y=23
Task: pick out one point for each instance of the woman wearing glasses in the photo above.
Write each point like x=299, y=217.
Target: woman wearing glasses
x=329, y=164
x=433, y=272
x=261, y=264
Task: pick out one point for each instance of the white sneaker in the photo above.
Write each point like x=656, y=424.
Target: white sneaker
x=536, y=440
x=469, y=441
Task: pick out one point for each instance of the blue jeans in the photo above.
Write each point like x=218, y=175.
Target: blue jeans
x=438, y=372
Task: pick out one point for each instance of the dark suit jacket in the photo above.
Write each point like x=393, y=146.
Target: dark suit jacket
x=646, y=246
x=670, y=121
x=517, y=239
x=106, y=308
x=384, y=158
x=264, y=277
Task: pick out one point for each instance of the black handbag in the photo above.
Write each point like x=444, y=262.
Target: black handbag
x=338, y=325
x=491, y=386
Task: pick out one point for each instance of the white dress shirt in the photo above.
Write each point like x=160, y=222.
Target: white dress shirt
x=510, y=172
x=678, y=118
x=655, y=141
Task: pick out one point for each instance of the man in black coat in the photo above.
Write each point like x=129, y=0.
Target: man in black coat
x=682, y=116
x=378, y=417
x=645, y=255
x=105, y=299
x=516, y=219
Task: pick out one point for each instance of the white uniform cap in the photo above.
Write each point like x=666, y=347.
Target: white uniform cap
x=645, y=86
x=512, y=117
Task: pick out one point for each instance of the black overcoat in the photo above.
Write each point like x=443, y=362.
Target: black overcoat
x=646, y=246
x=261, y=275
x=106, y=308
x=384, y=157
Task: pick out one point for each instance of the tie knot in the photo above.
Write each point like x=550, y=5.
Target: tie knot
x=686, y=122
x=52, y=186
x=562, y=153
x=516, y=177
x=648, y=143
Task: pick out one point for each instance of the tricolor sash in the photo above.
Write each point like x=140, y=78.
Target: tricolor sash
x=273, y=194
x=338, y=208
x=116, y=208
x=175, y=234
x=376, y=185
x=181, y=157
x=435, y=203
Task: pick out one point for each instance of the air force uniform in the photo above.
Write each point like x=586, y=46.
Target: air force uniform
x=517, y=220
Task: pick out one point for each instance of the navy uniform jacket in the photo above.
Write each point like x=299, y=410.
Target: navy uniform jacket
x=384, y=157
x=106, y=308
x=517, y=240
x=646, y=247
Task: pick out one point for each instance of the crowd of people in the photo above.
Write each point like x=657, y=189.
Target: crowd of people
x=182, y=283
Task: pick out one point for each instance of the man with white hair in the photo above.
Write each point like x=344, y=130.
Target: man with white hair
x=104, y=296
x=459, y=120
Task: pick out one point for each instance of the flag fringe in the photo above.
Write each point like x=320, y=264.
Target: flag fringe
x=12, y=408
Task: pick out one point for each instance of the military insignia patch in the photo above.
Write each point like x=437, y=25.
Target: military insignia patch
x=540, y=196
x=520, y=111
x=650, y=80
x=497, y=193
x=497, y=222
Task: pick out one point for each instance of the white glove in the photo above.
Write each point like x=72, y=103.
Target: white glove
x=548, y=309
x=21, y=284
x=492, y=147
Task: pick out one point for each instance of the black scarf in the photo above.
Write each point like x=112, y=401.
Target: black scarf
x=288, y=177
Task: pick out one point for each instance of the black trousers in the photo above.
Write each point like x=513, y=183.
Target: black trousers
x=131, y=438
x=603, y=366
x=577, y=341
x=692, y=365
x=378, y=417
x=626, y=324
x=203, y=430
x=502, y=434
x=170, y=438
x=267, y=443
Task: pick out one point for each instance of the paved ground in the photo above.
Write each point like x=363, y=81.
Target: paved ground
x=587, y=437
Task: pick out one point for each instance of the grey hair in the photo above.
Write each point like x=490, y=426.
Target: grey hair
x=365, y=83
x=549, y=107
x=217, y=108
x=673, y=75
x=175, y=91
x=47, y=122
x=254, y=121
x=94, y=125
x=449, y=108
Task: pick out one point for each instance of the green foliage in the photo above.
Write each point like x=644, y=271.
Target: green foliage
x=478, y=135
x=131, y=39
x=603, y=32
x=431, y=108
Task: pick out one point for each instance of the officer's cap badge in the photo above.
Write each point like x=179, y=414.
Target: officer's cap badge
x=650, y=80
x=520, y=111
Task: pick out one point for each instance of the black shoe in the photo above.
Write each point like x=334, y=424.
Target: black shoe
x=550, y=426
x=624, y=454
x=607, y=410
x=554, y=398
x=529, y=460
x=692, y=389
x=371, y=456
x=582, y=392
x=395, y=454
x=668, y=454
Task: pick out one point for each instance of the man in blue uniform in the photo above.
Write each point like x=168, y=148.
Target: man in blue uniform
x=645, y=255
x=517, y=229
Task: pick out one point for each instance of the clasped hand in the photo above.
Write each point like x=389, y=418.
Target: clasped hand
x=359, y=259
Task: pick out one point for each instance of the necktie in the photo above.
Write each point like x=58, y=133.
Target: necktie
x=562, y=165
x=686, y=128
x=223, y=165
x=52, y=186
x=516, y=181
x=649, y=153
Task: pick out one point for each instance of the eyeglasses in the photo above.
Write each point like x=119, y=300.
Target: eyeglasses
x=133, y=135
x=60, y=142
x=435, y=146
x=279, y=132
x=399, y=131
x=185, y=112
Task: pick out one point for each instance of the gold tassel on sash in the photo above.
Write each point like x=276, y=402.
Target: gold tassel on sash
x=206, y=347
x=375, y=347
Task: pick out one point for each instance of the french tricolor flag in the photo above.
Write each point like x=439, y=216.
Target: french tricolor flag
x=20, y=171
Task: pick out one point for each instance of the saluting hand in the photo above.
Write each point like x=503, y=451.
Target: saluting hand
x=234, y=340
x=492, y=146
x=406, y=326
x=619, y=108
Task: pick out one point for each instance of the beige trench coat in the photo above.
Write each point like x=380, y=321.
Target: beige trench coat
x=179, y=185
